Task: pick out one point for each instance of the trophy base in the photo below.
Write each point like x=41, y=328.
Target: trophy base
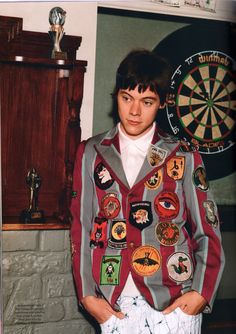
x=29, y=216
x=59, y=55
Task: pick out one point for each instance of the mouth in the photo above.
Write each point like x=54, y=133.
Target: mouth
x=131, y=122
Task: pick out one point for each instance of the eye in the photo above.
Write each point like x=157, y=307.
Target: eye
x=126, y=98
x=148, y=103
x=167, y=205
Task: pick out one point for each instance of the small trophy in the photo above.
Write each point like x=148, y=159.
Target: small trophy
x=57, y=19
x=33, y=214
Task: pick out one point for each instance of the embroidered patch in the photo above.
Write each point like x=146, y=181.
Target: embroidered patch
x=167, y=233
x=200, y=178
x=98, y=235
x=102, y=177
x=167, y=205
x=73, y=193
x=140, y=214
x=211, y=216
x=110, y=270
x=155, y=181
x=179, y=267
x=175, y=167
x=110, y=206
x=118, y=234
x=156, y=155
x=146, y=260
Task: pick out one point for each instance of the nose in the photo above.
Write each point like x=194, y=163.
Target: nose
x=135, y=109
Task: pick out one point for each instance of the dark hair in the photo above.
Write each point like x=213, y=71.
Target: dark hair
x=145, y=69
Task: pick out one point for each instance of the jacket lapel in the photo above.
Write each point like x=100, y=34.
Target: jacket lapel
x=109, y=151
x=165, y=146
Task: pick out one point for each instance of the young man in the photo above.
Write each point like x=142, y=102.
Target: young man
x=147, y=255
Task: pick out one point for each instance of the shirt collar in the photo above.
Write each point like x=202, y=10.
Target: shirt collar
x=141, y=143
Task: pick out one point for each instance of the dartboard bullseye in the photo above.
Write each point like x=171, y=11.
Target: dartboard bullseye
x=202, y=101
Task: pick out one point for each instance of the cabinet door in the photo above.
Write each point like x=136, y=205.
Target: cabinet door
x=37, y=111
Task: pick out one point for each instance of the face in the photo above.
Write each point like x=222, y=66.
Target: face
x=137, y=111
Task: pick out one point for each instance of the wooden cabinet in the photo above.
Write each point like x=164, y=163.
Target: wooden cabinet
x=40, y=119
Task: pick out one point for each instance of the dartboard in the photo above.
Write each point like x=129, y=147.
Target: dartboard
x=202, y=95
x=202, y=102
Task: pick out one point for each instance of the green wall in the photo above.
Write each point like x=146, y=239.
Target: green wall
x=117, y=35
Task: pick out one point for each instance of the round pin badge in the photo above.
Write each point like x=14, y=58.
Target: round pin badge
x=117, y=238
x=167, y=233
x=167, y=205
x=155, y=181
x=200, y=178
x=146, y=260
x=102, y=177
x=179, y=267
x=110, y=206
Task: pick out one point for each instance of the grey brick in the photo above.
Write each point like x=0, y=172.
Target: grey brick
x=71, y=309
x=35, y=312
x=18, y=329
x=67, y=327
x=52, y=241
x=27, y=264
x=58, y=286
x=19, y=240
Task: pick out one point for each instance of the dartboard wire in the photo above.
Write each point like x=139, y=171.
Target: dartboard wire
x=192, y=117
x=190, y=82
x=228, y=121
x=205, y=74
x=220, y=75
x=226, y=104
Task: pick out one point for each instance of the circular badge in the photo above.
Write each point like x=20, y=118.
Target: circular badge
x=146, y=260
x=154, y=181
x=167, y=205
x=200, y=178
x=179, y=267
x=110, y=206
x=118, y=230
x=102, y=177
x=167, y=233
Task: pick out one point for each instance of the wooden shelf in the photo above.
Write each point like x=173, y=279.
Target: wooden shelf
x=12, y=224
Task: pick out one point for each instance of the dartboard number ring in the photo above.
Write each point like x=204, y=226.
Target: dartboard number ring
x=202, y=101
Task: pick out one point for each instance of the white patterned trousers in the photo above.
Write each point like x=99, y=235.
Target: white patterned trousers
x=141, y=318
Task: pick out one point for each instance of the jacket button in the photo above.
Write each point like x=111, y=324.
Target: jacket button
x=131, y=245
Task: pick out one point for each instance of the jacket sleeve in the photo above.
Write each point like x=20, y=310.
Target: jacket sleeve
x=205, y=228
x=81, y=210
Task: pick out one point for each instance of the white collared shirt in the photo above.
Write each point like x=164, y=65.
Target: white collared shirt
x=133, y=153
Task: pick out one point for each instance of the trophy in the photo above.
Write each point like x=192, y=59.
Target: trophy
x=57, y=19
x=33, y=214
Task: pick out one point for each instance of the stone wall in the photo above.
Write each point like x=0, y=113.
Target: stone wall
x=38, y=291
